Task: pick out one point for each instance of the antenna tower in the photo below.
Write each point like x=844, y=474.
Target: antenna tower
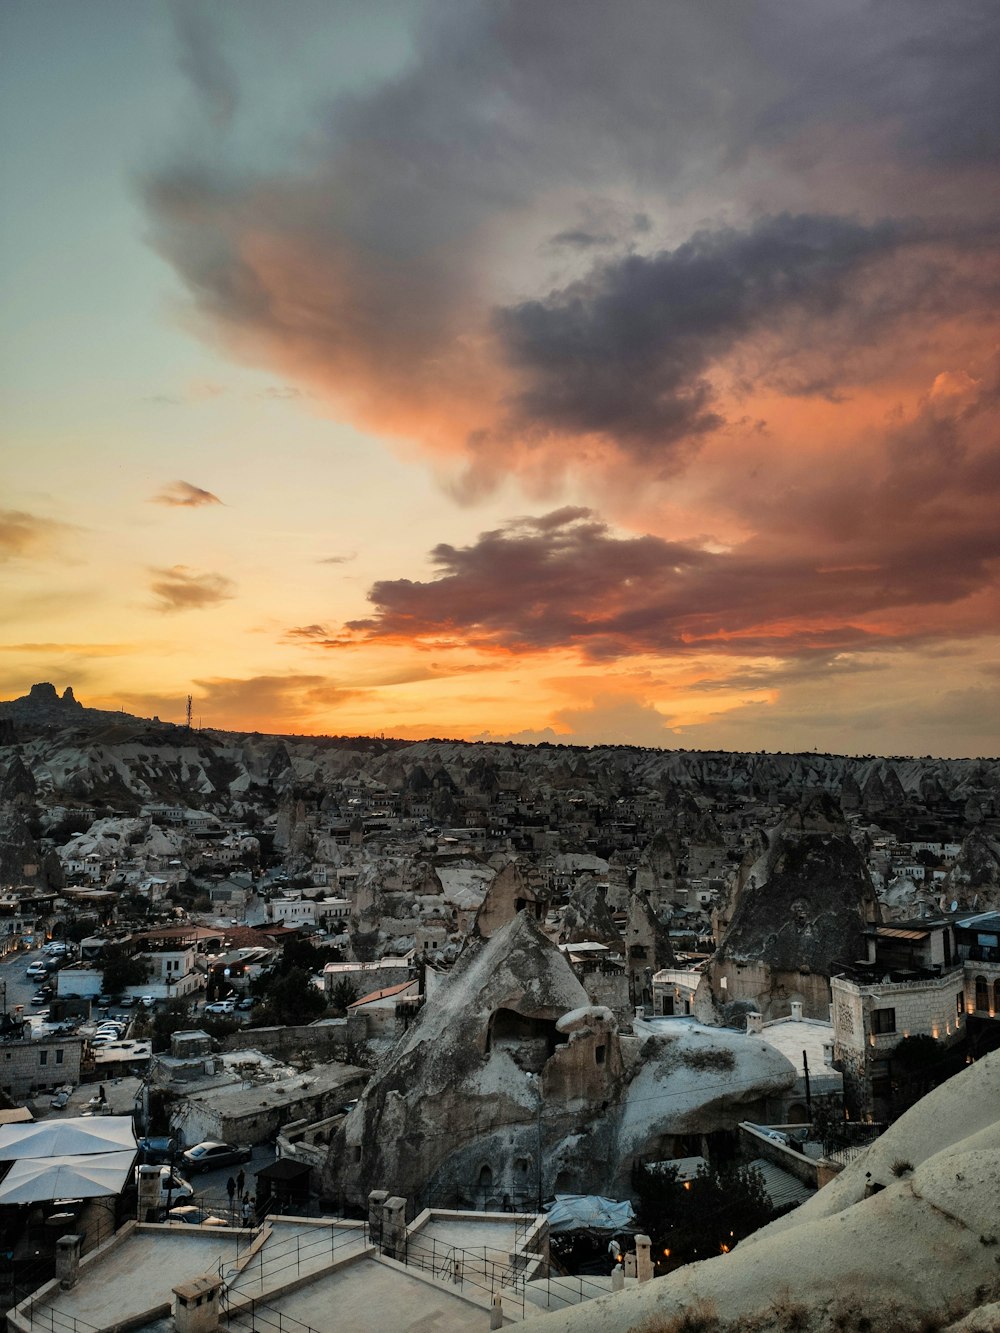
x=189, y=713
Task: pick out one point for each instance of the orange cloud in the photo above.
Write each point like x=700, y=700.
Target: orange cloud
x=181, y=494
x=181, y=589
x=25, y=536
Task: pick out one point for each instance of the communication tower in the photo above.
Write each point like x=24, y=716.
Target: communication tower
x=189, y=713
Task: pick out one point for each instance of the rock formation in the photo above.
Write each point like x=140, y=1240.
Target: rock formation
x=799, y=907
x=511, y=1082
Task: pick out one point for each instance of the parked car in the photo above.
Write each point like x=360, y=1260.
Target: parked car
x=36, y=970
x=127, y=1002
x=37, y=1000
x=148, y=1001
x=157, y=1151
x=210, y=1154
x=246, y=1003
x=220, y=1007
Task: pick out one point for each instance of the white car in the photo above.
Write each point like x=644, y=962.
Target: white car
x=220, y=1007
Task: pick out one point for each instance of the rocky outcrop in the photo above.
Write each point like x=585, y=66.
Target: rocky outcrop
x=512, y=1083
x=974, y=880
x=800, y=906
x=588, y=917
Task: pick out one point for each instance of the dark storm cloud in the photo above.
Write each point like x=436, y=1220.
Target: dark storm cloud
x=363, y=265
x=625, y=352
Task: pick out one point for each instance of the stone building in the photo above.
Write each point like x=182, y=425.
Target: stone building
x=32, y=1065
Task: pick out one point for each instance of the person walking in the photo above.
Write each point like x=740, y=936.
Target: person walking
x=240, y=1182
x=247, y=1211
x=231, y=1191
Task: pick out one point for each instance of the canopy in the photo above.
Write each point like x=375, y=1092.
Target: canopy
x=590, y=1212
x=70, y=1137
x=39, y=1180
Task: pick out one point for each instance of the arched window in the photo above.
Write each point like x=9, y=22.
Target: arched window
x=982, y=993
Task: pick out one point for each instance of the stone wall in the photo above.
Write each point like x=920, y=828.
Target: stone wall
x=324, y=1042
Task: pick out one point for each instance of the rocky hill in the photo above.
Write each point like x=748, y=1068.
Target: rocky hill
x=74, y=753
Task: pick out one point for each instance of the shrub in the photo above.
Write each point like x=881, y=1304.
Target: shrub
x=901, y=1167
x=708, y=1059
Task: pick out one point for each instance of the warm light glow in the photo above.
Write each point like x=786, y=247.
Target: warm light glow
x=724, y=1248
x=666, y=1254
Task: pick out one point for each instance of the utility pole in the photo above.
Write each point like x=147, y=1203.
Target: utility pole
x=189, y=702
x=809, y=1105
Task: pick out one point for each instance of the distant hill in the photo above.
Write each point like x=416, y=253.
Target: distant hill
x=91, y=754
x=44, y=706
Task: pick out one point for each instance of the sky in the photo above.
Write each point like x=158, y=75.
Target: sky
x=569, y=371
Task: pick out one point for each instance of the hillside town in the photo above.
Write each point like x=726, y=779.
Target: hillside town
x=487, y=983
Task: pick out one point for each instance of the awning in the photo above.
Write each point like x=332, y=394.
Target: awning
x=590, y=1212
x=39, y=1180
x=71, y=1137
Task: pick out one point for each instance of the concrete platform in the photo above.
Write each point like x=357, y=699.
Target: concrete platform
x=139, y=1273
x=371, y=1295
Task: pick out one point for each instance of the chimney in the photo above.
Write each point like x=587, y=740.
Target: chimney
x=796, y=1011
x=196, y=1309
x=68, y=1260
x=755, y=1022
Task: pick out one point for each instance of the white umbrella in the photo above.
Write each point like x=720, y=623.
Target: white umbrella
x=62, y=1138
x=39, y=1180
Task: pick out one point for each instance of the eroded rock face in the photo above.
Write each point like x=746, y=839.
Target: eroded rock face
x=975, y=877
x=799, y=907
x=511, y=1082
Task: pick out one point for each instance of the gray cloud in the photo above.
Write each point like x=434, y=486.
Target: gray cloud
x=625, y=352
x=201, y=59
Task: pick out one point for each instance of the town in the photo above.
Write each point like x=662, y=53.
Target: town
x=471, y=989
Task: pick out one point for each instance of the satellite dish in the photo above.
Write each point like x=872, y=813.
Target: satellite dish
x=954, y=904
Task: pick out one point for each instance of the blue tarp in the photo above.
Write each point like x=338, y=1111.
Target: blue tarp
x=590, y=1212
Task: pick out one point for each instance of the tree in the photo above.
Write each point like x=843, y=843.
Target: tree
x=120, y=970
x=699, y=1218
x=344, y=993
x=292, y=998
x=173, y=1017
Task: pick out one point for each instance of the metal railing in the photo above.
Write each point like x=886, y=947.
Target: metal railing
x=255, y=1315
x=55, y=1321
x=312, y=1249
x=570, y=1288
x=464, y=1268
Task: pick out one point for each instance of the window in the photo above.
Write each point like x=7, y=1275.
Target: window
x=883, y=1020
x=43, y=1057
x=59, y=1056
x=960, y=1004
x=982, y=993
x=599, y=1055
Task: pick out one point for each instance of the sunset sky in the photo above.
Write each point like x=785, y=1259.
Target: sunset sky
x=535, y=369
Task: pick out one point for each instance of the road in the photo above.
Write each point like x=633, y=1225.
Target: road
x=19, y=987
